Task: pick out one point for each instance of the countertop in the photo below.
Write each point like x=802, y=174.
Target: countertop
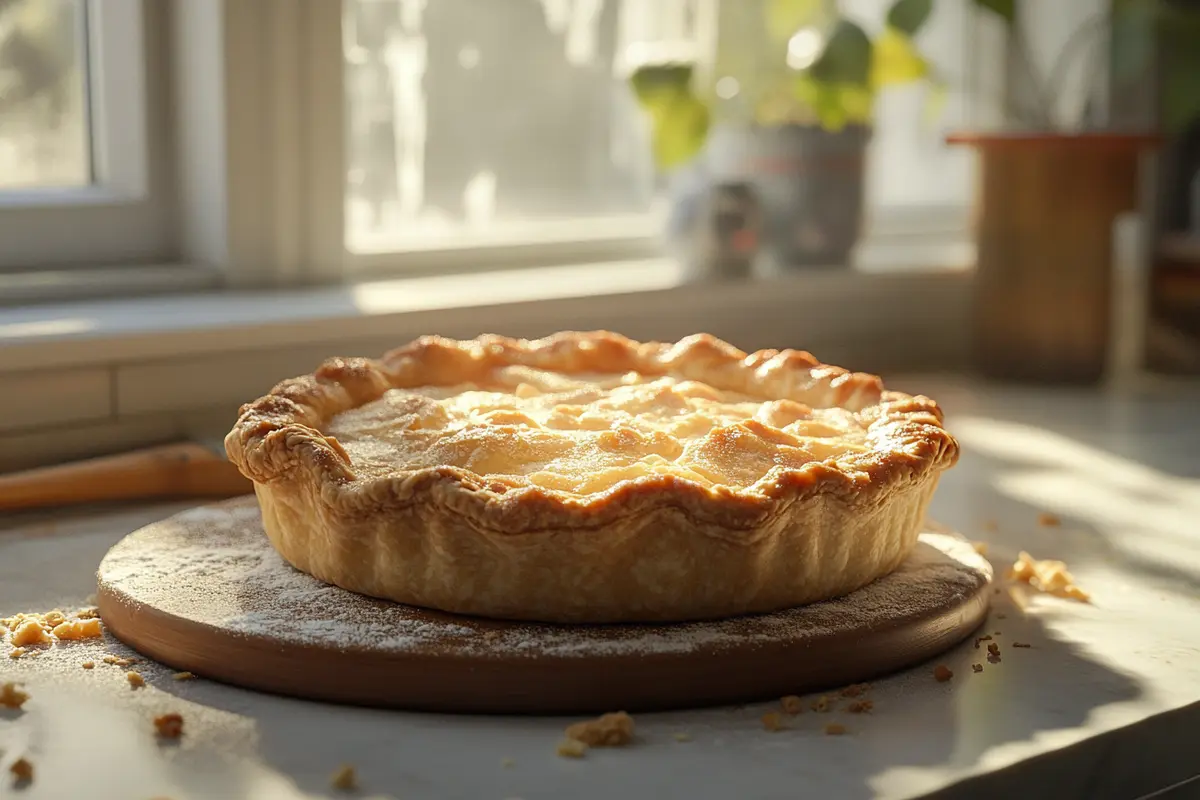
x=1105, y=703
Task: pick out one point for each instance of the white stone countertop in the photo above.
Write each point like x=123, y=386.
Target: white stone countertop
x=1104, y=704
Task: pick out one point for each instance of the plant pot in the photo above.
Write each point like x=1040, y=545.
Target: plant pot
x=807, y=185
x=1044, y=216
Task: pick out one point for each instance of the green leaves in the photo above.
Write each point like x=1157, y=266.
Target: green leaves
x=1005, y=9
x=679, y=120
x=907, y=16
x=846, y=57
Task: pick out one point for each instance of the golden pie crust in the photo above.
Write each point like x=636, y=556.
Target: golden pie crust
x=586, y=477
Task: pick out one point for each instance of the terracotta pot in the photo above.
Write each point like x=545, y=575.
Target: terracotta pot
x=1044, y=215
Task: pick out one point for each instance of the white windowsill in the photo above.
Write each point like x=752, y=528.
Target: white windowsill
x=649, y=296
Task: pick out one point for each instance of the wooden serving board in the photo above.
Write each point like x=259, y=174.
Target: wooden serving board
x=204, y=591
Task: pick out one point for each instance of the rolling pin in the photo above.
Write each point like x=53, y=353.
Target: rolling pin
x=183, y=470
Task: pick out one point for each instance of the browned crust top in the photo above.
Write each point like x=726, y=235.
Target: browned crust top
x=279, y=436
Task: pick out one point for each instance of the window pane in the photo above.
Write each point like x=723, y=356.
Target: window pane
x=496, y=119
x=44, y=138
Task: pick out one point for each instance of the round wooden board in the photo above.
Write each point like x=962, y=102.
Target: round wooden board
x=204, y=591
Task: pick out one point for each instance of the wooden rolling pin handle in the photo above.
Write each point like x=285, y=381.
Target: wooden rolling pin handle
x=177, y=470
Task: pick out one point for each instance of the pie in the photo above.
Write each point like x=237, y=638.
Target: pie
x=586, y=477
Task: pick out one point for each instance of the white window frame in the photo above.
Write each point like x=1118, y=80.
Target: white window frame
x=107, y=220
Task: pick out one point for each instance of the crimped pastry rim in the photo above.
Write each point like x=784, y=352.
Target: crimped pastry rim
x=279, y=436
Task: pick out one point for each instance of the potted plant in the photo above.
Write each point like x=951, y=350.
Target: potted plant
x=1051, y=187
x=772, y=153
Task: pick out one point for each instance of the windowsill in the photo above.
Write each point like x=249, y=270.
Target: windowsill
x=593, y=295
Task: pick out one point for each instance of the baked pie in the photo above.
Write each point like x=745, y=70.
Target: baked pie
x=587, y=477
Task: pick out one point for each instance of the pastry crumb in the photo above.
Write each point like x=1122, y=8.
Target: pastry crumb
x=53, y=619
x=773, y=721
x=1047, y=576
x=834, y=729
x=681, y=736
x=942, y=673
x=88, y=665
x=136, y=681
x=17, y=652
x=183, y=676
x=1001, y=616
x=344, y=779
x=119, y=661
x=855, y=690
x=823, y=703
x=981, y=547
x=22, y=771
x=169, y=726
x=571, y=748
x=980, y=639
x=993, y=655
x=30, y=632
x=791, y=704
x=11, y=696
x=77, y=629
x=1021, y=644
x=87, y=613
x=1048, y=520
x=977, y=667
x=860, y=707
x=607, y=730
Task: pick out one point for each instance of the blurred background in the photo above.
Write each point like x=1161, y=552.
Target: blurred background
x=200, y=198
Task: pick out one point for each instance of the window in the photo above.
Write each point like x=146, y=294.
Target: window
x=477, y=122
x=78, y=178
x=490, y=123
x=44, y=139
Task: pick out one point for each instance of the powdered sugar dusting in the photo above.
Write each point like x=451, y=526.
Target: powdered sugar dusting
x=215, y=566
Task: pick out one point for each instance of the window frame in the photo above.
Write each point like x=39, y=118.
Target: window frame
x=111, y=219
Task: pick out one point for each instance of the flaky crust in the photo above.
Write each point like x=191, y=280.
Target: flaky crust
x=652, y=549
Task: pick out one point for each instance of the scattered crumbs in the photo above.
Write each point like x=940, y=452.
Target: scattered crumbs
x=77, y=629
x=87, y=613
x=183, y=676
x=88, y=665
x=681, y=736
x=977, y=667
x=1047, y=576
x=118, y=661
x=30, y=632
x=53, y=619
x=834, y=729
x=571, y=748
x=508, y=763
x=22, y=771
x=11, y=696
x=981, y=639
x=860, y=707
x=791, y=704
x=1048, y=520
x=136, y=681
x=344, y=779
x=607, y=730
x=169, y=726
x=980, y=547
x=773, y=721
x=855, y=690
x=1021, y=644
x=942, y=673
x=16, y=652
x=993, y=656
x=822, y=703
